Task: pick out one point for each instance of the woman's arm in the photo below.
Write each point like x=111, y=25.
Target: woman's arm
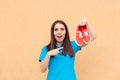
x=44, y=63
x=90, y=31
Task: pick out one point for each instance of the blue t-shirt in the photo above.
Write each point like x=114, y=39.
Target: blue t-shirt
x=61, y=67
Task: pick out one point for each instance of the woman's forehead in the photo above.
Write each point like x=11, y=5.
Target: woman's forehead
x=59, y=25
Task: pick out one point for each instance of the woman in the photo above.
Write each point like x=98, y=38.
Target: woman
x=59, y=55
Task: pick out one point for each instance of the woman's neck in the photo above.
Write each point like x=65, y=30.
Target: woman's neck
x=59, y=43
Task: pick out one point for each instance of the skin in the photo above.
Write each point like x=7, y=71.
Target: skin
x=59, y=33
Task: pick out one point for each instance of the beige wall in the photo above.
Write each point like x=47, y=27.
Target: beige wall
x=25, y=27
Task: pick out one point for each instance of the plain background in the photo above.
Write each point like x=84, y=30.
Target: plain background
x=25, y=29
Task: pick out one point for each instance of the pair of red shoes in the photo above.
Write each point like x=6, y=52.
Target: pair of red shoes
x=82, y=35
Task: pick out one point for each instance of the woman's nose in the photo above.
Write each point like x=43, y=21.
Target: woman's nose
x=59, y=31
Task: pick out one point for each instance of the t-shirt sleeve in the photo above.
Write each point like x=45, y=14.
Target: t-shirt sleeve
x=43, y=53
x=75, y=47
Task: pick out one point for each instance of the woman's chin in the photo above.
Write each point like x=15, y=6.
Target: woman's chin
x=59, y=41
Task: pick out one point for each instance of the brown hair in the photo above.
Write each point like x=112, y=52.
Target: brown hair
x=66, y=42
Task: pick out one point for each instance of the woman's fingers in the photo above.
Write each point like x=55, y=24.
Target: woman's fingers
x=60, y=48
x=83, y=22
x=55, y=51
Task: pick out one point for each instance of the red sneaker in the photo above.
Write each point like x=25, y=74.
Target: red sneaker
x=79, y=36
x=86, y=35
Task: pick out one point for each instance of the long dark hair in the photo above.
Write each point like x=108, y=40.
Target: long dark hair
x=66, y=42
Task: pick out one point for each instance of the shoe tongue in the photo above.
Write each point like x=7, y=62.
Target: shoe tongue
x=80, y=27
x=83, y=26
x=86, y=33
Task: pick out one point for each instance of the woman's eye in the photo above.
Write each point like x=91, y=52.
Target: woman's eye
x=55, y=29
x=62, y=29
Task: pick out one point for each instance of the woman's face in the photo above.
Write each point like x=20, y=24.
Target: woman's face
x=59, y=32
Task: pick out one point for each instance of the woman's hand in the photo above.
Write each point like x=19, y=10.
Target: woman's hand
x=83, y=22
x=54, y=51
x=90, y=30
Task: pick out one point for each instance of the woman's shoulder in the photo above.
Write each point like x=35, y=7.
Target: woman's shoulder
x=44, y=47
x=74, y=45
x=72, y=42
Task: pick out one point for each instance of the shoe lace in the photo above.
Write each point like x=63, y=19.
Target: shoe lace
x=86, y=33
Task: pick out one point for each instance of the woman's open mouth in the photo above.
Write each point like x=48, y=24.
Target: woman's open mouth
x=59, y=36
